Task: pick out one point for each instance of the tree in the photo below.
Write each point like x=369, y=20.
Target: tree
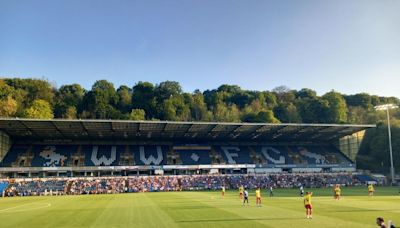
x=68, y=100
x=270, y=99
x=167, y=89
x=284, y=94
x=249, y=118
x=40, y=109
x=287, y=113
x=306, y=93
x=143, y=97
x=225, y=113
x=360, y=99
x=198, y=107
x=101, y=100
x=8, y=107
x=281, y=89
x=5, y=90
x=374, y=150
x=255, y=107
x=174, y=108
x=18, y=95
x=241, y=99
x=137, y=114
x=337, y=107
x=70, y=113
x=232, y=89
x=313, y=110
x=124, y=98
x=35, y=88
x=267, y=116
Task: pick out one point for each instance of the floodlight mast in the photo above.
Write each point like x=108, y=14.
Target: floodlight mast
x=387, y=107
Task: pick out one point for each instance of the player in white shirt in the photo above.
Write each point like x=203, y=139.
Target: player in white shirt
x=246, y=197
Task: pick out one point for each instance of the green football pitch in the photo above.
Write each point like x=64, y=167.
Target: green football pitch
x=201, y=209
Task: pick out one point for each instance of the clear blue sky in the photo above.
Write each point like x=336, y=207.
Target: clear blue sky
x=347, y=45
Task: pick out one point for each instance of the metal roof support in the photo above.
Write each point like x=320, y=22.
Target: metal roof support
x=272, y=132
x=165, y=127
x=187, y=130
x=312, y=132
x=212, y=129
x=28, y=128
x=253, y=133
x=59, y=131
x=84, y=128
x=112, y=131
x=138, y=133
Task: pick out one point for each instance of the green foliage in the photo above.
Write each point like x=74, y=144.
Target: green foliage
x=70, y=113
x=226, y=113
x=166, y=101
x=101, y=100
x=374, y=151
x=35, y=89
x=198, y=107
x=137, y=114
x=35, y=98
x=40, y=109
x=166, y=90
x=337, y=107
x=313, y=110
x=361, y=99
x=143, y=97
x=124, y=98
x=287, y=113
x=68, y=99
x=269, y=98
x=175, y=108
x=266, y=116
x=284, y=94
x=8, y=107
x=306, y=93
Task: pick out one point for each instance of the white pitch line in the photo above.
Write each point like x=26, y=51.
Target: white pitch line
x=31, y=209
x=27, y=209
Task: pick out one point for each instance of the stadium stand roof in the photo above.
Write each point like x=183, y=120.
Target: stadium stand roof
x=167, y=130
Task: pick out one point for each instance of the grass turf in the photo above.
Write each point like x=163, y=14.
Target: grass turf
x=201, y=209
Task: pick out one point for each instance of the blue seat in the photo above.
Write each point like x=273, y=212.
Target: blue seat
x=243, y=154
x=13, y=153
x=194, y=157
x=109, y=155
x=3, y=186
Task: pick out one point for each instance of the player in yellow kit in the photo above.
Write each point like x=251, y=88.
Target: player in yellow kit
x=258, y=197
x=308, y=205
x=338, y=192
x=223, y=191
x=371, y=190
x=241, y=190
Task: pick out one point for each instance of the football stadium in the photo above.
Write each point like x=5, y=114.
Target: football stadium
x=109, y=173
x=199, y=113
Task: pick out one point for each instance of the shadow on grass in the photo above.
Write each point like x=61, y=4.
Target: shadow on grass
x=236, y=219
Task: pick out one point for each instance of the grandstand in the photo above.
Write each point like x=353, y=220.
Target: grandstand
x=88, y=148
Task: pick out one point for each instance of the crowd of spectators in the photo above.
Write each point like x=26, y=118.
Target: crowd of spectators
x=153, y=184
x=109, y=185
x=36, y=188
x=96, y=186
x=266, y=181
